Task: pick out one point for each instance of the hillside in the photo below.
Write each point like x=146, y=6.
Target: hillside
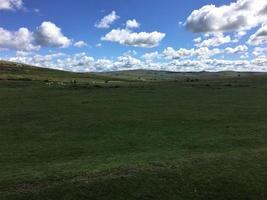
x=18, y=71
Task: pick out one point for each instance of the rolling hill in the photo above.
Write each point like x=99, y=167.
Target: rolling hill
x=18, y=71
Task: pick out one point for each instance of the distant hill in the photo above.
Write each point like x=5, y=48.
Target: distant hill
x=150, y=75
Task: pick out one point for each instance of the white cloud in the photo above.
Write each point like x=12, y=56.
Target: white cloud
x=103, y=65
x=80, y=62
x=49, y=35
x=80, y=44
x=77, y=62
x=149, y=57
x=203, y=52
x=240, y=34
x=259, y=52
x=142, y=39
x=10, y=4
x=130, y=53
x=127, y=62
x=84, y=63
x=22, y=40
x=260, y=37
x=23, y=53
x=239, y=15
x=61, y=61
x=132, y=24
x=215, y=65
x=197, y=40
x=171, y=53
x=107, y=21
x=238, y=49
x=37, y=60
x=216, y=40
x=260, y=62
x=244, y=56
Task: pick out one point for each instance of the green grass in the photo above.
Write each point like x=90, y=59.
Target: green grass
x=163, y=140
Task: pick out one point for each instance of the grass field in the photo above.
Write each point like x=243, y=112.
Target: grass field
x=111, y=137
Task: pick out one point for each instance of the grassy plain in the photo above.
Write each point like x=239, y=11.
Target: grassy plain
x=115, y=137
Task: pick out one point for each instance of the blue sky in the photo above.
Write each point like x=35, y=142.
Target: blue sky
x=92, y=35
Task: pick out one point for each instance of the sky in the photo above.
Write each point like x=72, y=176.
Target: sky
x=112, y=35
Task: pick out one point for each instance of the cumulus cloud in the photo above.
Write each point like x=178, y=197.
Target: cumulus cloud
x=259, y=52
x=260, y=62
x=240, y=34
x=171, y=53
x=202, y=52
x=103, y=65
x=260, y=37
x=36, y=59
x=215, y=65
x=149, y=57
x=49, y=35
x=130, y=53
x=197, y=40
x=132, y=24
x=205, y=52
x=142, y=39
x=107, y=21
x=127, y=62
x=80, y=62
x=10, y=4
x=239, y=15
x=23, y=53
x=182, y=53
x=22, y=40
x=215, y=41
x=76, y=62
x=83, y=62
x=238, y=49
x=80, y=44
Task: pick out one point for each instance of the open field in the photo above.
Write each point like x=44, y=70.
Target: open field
x=132, y=135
